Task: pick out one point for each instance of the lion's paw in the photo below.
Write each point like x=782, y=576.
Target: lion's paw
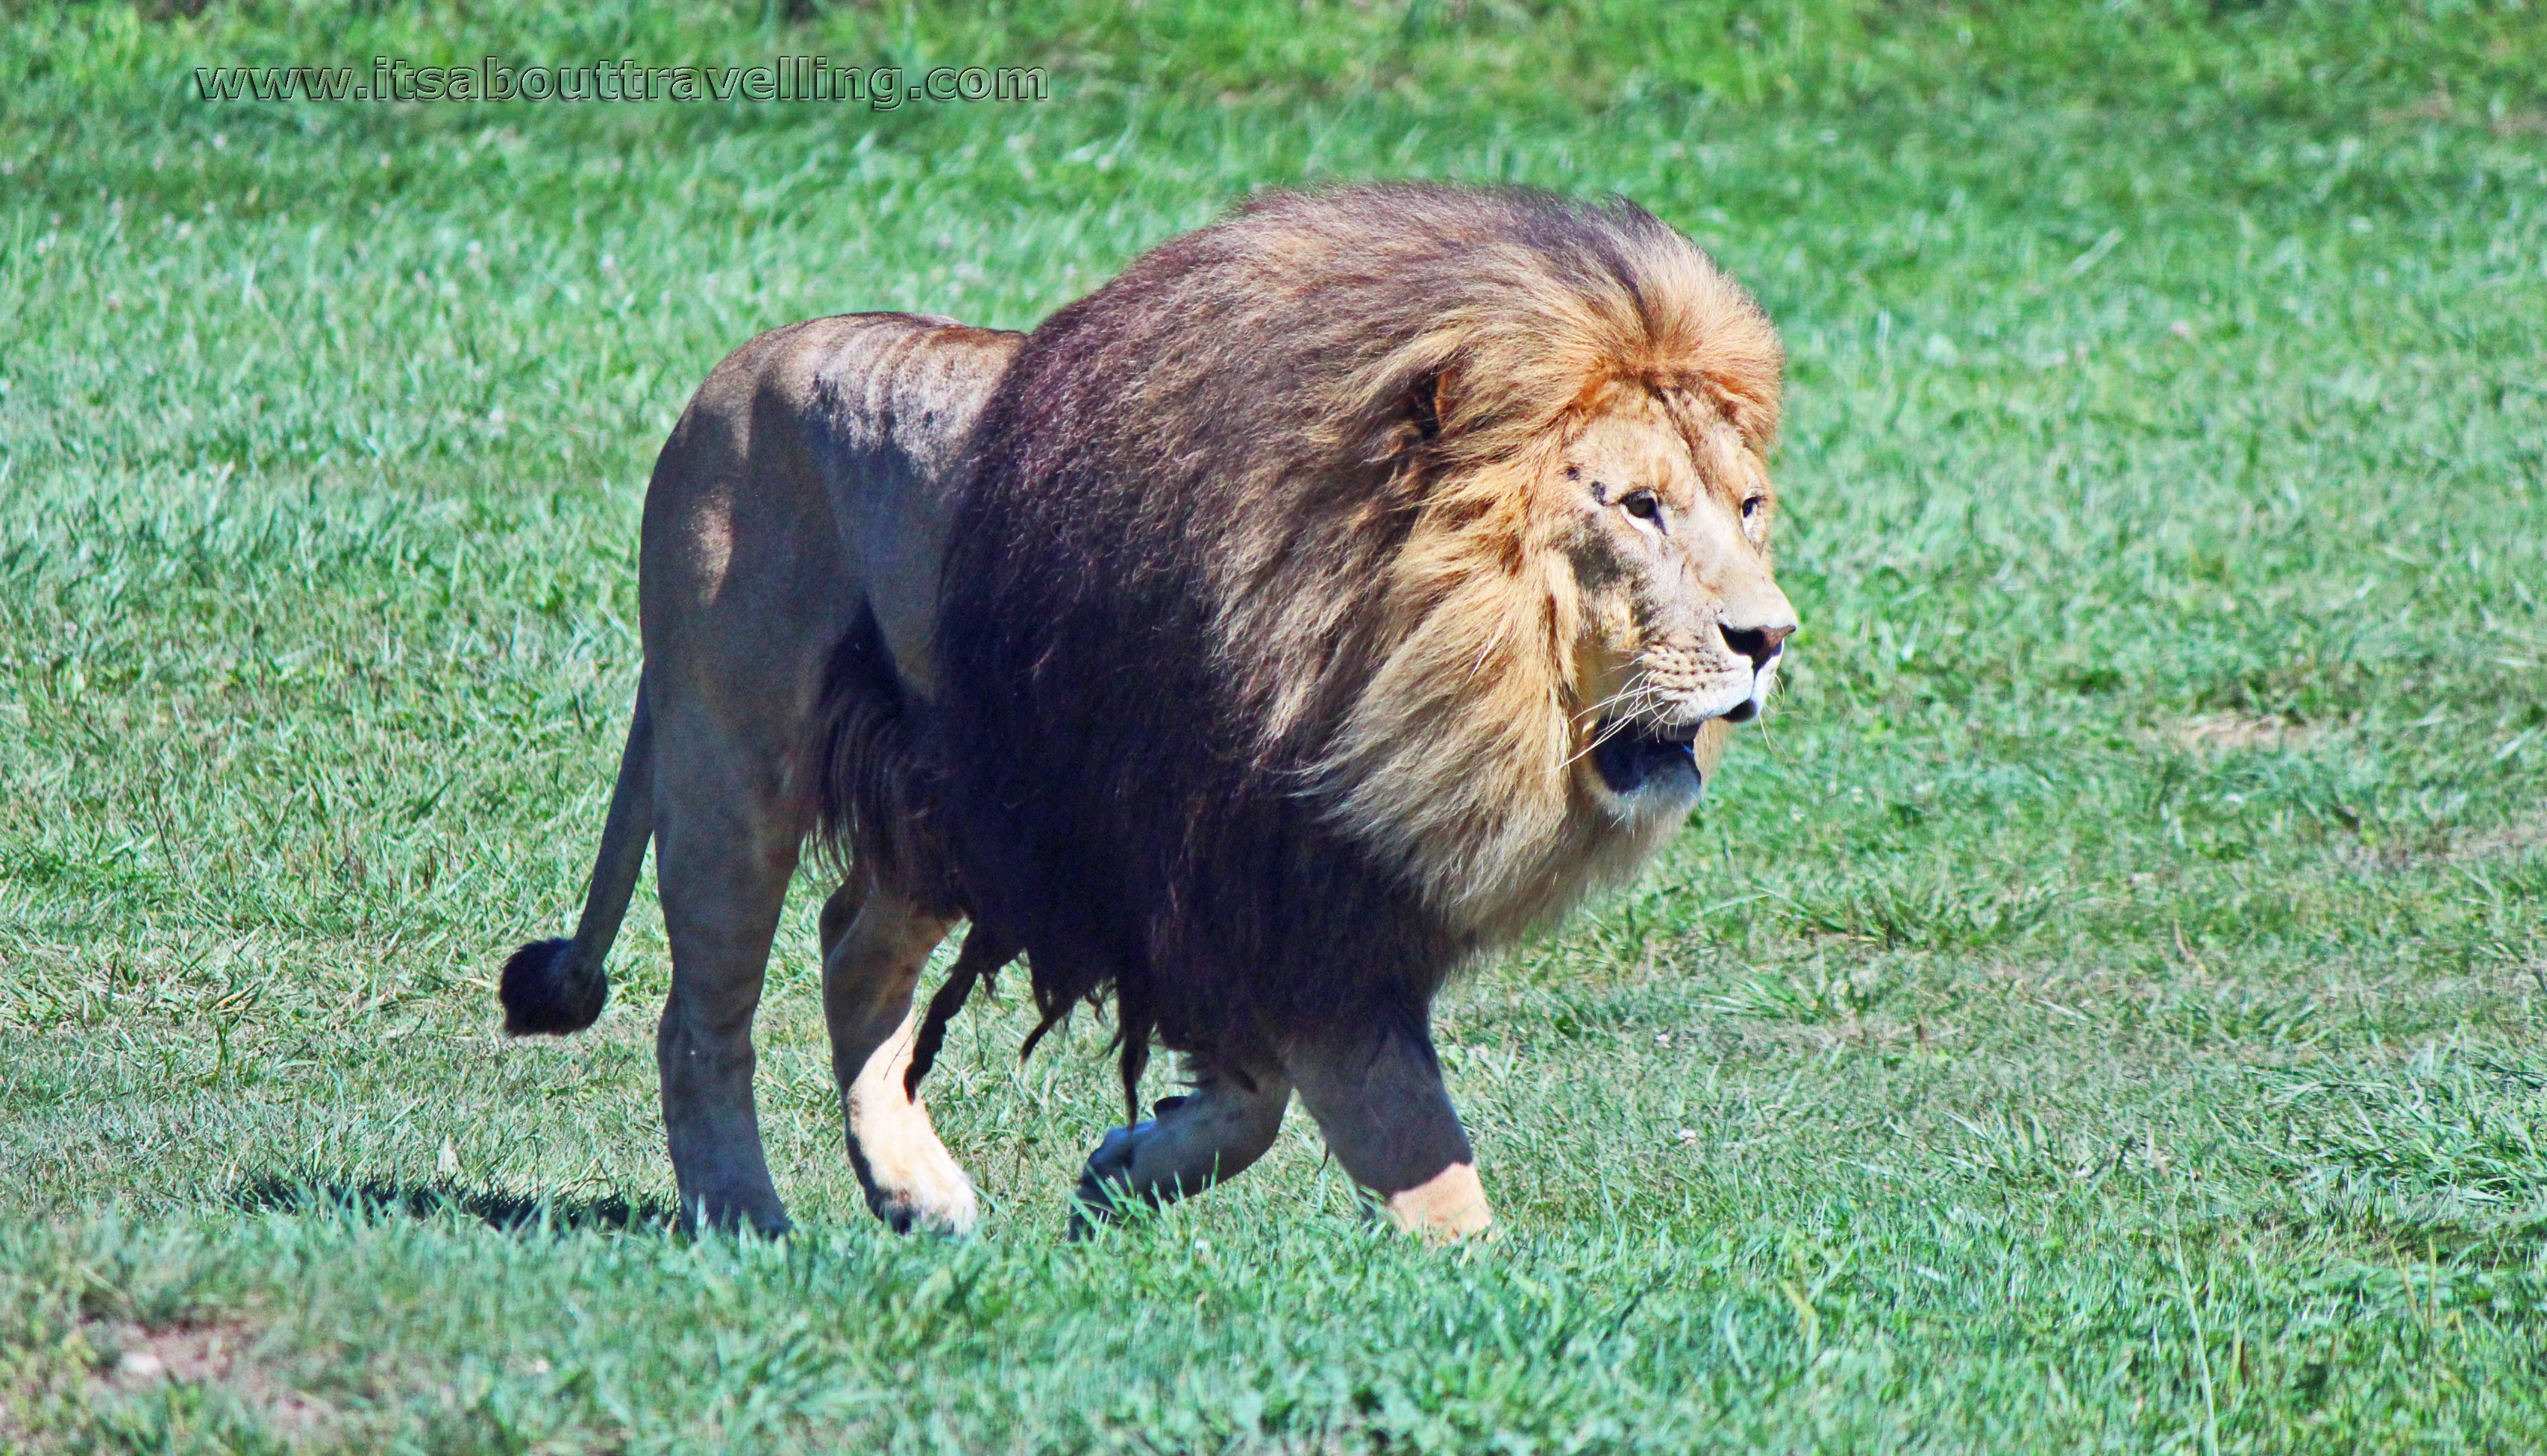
x=945, y=1212
x=915, y=1183
x=1105, y=1183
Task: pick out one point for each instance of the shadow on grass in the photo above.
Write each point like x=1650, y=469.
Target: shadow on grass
x=509, y=1212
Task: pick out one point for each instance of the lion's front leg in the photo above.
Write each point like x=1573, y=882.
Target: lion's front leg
x=1195, y=1141
x=1377, y=1092
x=874, y=945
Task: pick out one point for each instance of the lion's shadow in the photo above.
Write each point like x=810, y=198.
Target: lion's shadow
x=378, y=1198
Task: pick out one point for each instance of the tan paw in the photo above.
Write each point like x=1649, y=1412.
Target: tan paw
x=912, y=1181
x=1449, y=1205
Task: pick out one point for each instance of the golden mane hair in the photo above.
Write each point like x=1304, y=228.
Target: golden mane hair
x=1256, y=695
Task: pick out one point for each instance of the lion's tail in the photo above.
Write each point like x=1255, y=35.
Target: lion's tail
x=556, y=986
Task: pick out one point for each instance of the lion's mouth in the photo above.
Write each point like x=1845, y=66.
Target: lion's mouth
x=1636, y=756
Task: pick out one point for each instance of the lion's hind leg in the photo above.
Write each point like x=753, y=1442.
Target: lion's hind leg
x=875, y=944
x=1211, y=1133
x=724, y=855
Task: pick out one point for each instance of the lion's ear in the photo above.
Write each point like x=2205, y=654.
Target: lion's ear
x=1415, y=421
x=1421, y=412
x=1424, y=403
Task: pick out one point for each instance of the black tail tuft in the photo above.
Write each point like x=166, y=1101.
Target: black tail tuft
x=545, y=993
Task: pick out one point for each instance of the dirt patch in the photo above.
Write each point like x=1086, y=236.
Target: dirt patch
x=2506, y=841
x=2438, y=107
x=2231, y=732
x=218, y=1353
x=2446, y=845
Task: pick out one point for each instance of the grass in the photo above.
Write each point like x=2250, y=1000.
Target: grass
x=2099, y=1008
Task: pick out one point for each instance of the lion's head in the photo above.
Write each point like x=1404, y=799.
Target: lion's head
x=1665, y=536
x=1353, y=584
x=1584, y=599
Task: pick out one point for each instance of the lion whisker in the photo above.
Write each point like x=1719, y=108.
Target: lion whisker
x=1611, y=723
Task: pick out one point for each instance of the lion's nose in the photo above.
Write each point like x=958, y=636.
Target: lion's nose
x=1759, y=644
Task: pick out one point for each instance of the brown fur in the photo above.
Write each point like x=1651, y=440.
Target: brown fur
x=1259, y=690
x=1344, y=590
x=877, y=801
x=787, y=587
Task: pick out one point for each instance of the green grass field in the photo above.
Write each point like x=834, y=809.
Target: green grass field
x=2099, y=1008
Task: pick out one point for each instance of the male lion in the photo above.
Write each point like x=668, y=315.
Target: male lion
x=1346, y=589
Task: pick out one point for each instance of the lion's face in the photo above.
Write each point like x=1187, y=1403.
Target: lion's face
x=1662, y=509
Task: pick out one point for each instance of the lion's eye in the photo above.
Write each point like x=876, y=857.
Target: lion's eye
x=1642, y=505
x=1751, y=507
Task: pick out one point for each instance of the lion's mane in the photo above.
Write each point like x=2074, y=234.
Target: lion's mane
x=1256, y=695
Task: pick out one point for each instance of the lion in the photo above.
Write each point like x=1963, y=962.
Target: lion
x=1341, y=594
